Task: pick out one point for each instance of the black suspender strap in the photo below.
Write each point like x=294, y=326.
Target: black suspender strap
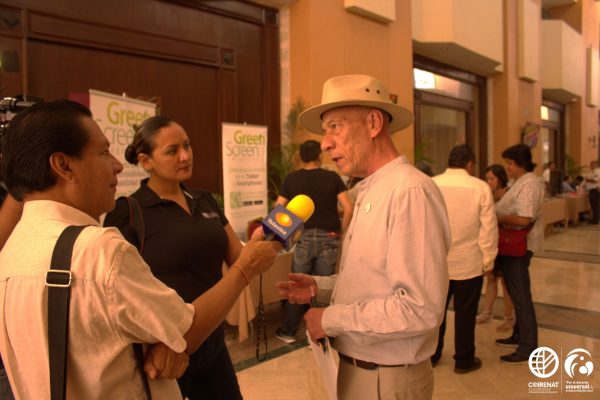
x=58, y=281
x=136, y=221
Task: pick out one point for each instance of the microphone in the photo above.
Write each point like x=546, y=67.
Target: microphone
x=286, y=224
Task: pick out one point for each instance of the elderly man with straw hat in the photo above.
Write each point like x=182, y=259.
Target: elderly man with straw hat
x=388, y=299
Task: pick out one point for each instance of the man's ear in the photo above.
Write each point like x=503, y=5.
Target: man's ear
x=375, y=122
x=61, y=166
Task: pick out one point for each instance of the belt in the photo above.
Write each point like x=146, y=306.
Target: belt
x=366, y=364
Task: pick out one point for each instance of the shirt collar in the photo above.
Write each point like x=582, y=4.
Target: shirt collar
x=148, y=198
x=55, y=210
x=381, y=172
x=456, y=171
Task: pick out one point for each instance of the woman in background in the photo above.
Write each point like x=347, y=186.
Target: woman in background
x=186, y=239
x=521, y=208
x=495, y=176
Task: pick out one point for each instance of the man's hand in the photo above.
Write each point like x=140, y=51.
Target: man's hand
x=313, y=319
x=163, y=363
x=299, y=289
x=489, y=274
x=259, y=233
x=257, y=256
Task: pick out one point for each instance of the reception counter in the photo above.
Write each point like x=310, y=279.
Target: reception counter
x=555, y=209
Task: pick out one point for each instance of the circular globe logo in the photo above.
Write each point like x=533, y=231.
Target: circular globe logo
x=543, y=362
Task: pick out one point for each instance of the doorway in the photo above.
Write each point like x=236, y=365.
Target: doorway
x=449, y=110
x=441, y=124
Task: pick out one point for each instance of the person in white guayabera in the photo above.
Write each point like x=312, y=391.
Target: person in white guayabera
x=474, y=247
x=388, y=299
x=592, y=183
x=61, y=167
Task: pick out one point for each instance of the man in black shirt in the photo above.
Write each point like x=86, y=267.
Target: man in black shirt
x=316, y=252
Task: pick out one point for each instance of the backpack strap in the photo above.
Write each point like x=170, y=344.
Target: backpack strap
x=58, y=281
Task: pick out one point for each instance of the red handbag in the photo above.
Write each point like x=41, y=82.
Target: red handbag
x=513, y=242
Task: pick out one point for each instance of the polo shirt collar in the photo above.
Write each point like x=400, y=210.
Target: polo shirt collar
x=148, y=198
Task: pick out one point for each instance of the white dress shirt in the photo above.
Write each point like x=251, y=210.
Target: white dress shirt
x=390, y=294
x=473, y=223
x=595, y=175
x=115, y=301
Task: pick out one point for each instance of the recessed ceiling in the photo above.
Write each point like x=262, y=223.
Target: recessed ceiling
x=561, y=96
x=458, y=56
x=278, y=4
x=557, y=3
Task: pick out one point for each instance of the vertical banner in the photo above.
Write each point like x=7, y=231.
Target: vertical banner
x=116, y=116
x=244, y=174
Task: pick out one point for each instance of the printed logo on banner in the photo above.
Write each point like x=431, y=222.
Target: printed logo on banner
x=244, y=155
x=544, y=362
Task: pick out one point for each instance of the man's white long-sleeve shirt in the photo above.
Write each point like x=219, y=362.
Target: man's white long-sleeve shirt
x=390, y=294
x=473, y=223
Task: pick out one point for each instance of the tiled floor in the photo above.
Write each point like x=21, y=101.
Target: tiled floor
x=565, y=282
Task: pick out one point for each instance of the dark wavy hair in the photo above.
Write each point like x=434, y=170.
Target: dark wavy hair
x=500, y=173
x=521, y=155
x=143, y=140
x=35, y=134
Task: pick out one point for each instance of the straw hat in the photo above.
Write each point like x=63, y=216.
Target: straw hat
x=355, y=90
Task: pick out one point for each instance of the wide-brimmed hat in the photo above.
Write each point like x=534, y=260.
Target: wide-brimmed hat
x=355, y=90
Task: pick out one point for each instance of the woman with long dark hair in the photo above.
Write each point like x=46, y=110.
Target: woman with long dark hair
x=495, y=176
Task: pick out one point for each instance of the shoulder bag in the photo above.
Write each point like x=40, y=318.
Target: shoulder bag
x=513, y=242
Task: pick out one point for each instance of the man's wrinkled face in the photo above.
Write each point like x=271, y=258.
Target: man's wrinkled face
x=346, y=138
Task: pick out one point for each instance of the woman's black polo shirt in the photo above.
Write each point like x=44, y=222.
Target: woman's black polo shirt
x=184, y=251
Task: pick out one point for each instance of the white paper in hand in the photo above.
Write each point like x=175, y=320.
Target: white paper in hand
x=326, y=360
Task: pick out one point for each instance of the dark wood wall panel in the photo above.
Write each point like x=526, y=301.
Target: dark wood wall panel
x=206, y=62
x=91, y=34
x=189, y=94
x=228, y=101
x=10, y=82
